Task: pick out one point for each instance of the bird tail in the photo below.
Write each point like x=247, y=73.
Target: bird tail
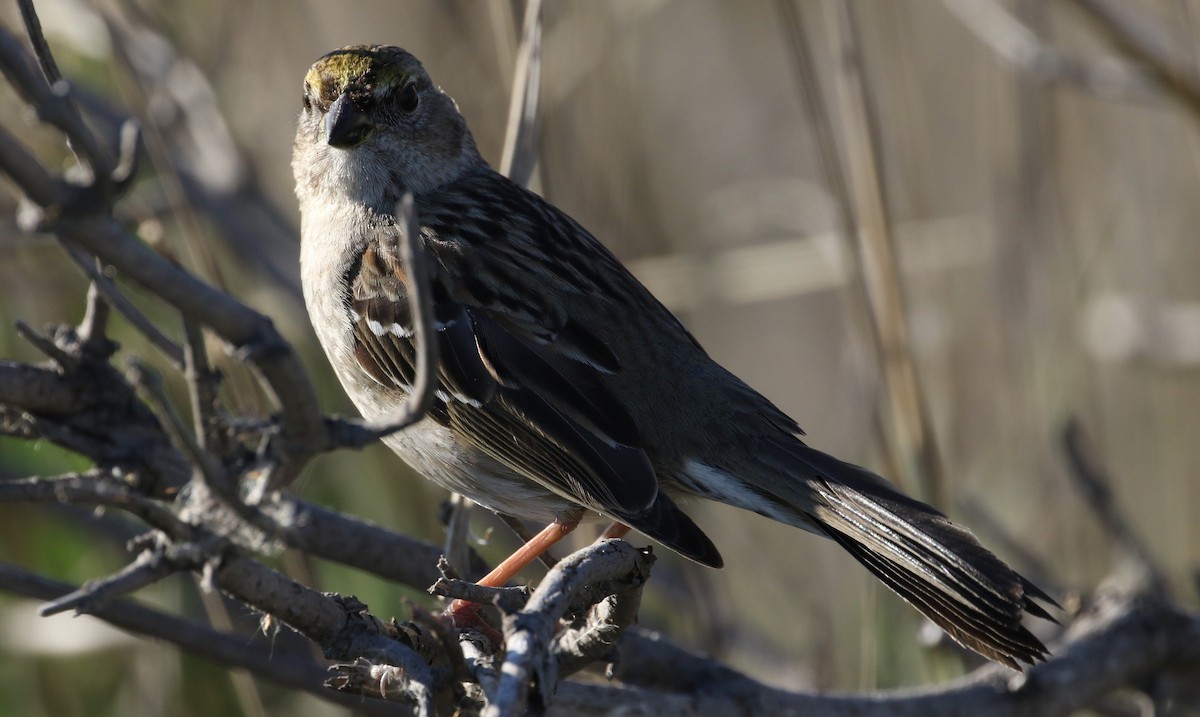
x=936, y=565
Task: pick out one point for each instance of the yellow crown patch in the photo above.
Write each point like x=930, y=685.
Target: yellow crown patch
x=359, y=65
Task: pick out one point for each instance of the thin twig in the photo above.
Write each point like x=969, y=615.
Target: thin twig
x=150, y=382
x=27, y=172
x=61, y=357
x=458, y=531
x=56, y=105
x=127, y=154
x=122, y=304
x=1018, y=44
x=586, y=576
x=1095, y=486
x=149, y=567
x=94, y=327
x=507, y=599
x=820, y=121
x=95, y=487
x=203, y=384
x=910, y=428
x=1133, y=31
x=520, y=138
x=412, y=257
x=267, y=661
x=41, y=48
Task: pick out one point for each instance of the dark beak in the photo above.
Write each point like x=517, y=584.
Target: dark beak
x=345, y=125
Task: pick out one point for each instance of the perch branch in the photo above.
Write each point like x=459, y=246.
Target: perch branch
x=267, y=661
x=577, y=581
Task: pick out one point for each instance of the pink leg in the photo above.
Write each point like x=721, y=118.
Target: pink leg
x=463, y=613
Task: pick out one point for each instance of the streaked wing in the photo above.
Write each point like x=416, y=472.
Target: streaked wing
x=537, y=404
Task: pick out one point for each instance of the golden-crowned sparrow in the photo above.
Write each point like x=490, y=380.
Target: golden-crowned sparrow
x=564, y=387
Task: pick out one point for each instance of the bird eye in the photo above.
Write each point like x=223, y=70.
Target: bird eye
x=307, y=91
x=408, y=97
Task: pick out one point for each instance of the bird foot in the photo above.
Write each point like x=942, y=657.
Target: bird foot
x=463, y=615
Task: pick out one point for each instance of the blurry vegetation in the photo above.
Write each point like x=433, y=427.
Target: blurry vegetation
x=1046, y=235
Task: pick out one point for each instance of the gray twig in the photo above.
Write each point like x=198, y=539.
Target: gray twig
x=1134, y=31
x=1094, y=485
x=93, y=229
x=520, y=138
x=581, y=579
x=109, y=290
x=458, y=532
x=203, y=384
x=150, y=382
x=150, y=567
x=507, y=599
x=1019, y=45
x=264, y=660
x=597, y=638
x=94, y=487
x=95, y=319
x=51, y=95
x=412, y=257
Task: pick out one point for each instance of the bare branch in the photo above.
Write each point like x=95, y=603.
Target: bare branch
x=1019, y=45
x=118, y=300
x=520, y=138
x=27, y=172
x=264, y=660
x=36, y=389
x=326, y=533
x=67, y=360
x=94, y=487
x=51, y=96
x=507, y=599
x=579, y=580
x=203, y=385
x=1133, y=31
x=412, y=256
x=149, y=567
x=598, y=637
x=1146, y=632
x=150, y=382
x=255, y=337
x=1094, y=485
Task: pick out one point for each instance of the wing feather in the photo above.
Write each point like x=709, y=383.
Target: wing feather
x=534, y=400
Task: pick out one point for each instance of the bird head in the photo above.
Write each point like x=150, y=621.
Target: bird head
x=374, y=125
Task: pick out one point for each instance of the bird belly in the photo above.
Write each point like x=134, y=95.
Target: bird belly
x=433, y=451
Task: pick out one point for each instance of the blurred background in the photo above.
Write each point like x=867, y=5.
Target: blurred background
x=1045, y=230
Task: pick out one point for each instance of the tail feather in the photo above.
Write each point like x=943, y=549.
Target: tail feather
x=1005, y=641
x=937, y=566
x=669, y=525
x=928, y=542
